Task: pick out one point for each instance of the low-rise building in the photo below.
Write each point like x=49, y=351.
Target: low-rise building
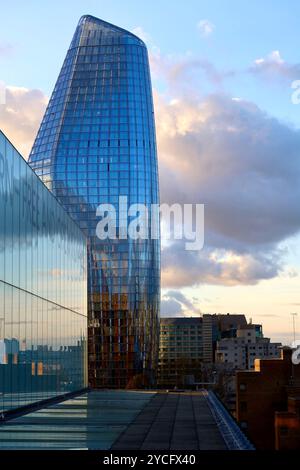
x=287, y=425
x=263, y=403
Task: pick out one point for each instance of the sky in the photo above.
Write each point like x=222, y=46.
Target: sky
x=228, y=136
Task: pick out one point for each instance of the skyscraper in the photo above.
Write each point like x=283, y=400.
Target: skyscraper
x=96, y=143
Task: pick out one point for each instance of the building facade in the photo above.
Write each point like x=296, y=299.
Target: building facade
x=180, y=351
x=248, y=344
x=187, y=347
x=225, y=326
x=264, y=405
x=43, y=302
x=95, y=144
x=287, y=425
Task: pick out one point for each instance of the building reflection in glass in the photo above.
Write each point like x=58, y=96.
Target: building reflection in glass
x=43, y=312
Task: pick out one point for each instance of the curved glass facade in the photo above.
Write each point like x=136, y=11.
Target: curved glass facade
x=96, y=143
x=43, y=278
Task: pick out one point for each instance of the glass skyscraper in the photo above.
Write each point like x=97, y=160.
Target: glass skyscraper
x=43, y=302
x=96, y=143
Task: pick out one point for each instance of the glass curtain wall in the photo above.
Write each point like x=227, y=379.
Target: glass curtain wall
x=43, y=301
x=96, y=143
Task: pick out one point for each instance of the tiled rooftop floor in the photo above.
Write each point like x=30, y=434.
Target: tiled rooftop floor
x=118, y=420
x=174, y=421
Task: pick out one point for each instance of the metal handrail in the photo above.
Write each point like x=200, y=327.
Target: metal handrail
x=233, y=436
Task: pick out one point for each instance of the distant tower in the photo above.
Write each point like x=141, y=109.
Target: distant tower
x=97, y=142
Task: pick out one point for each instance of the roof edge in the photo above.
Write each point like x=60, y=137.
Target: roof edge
x=85, y=18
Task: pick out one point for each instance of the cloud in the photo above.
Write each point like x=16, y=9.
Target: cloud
x=180, y=297
x=244, y=166
x=170, y=308
x=240, y=162
x=175, y=303
x=235, y=158
x=186, y=73
x=181, y=70
x=21, y=115
x=182, y=268
x=273, y=66
x=205, y=27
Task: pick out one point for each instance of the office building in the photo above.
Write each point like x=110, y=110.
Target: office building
x=43, y=302
x=187, y=347
x=240, y=351
x=180, y=351
x=95, y=144
x=225, y=326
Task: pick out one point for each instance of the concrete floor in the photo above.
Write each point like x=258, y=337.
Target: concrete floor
x=123, y=420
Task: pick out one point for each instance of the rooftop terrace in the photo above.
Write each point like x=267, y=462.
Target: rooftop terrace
x=127, y=420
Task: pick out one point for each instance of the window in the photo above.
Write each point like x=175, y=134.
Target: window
x=243, y=406
x=284, y=430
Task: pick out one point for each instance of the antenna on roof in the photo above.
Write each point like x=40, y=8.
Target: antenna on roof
x=294, y=328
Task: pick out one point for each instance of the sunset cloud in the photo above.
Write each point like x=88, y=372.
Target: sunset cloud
x=240, y=162
x=20, y=116
x=182, y=268
x=175, y=303
x=244, y=166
